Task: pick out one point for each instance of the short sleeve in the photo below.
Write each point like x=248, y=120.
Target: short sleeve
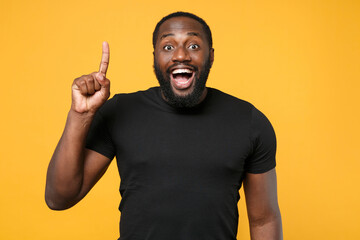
x=262, y=158
x=99, y=138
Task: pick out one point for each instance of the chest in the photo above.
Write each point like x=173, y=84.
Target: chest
x=162, y=147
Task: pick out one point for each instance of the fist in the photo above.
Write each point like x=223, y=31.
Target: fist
x=91, y=91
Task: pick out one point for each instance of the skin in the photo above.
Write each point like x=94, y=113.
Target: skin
x=262, y=206
x=181, y=43
x=74, y=170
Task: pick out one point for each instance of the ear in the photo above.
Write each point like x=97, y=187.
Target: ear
x=212, y=56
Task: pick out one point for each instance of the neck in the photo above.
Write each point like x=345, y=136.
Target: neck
x=202, y=97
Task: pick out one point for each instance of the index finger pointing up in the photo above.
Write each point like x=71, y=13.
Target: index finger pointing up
x=105, y=58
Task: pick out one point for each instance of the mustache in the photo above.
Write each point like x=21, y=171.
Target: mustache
x=182, y=64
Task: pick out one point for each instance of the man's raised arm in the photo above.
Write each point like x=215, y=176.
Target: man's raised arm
x=73, y=170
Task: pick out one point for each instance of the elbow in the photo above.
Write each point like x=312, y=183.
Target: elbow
x=260, y=222
x=56, y=204
x=53, y=205
x=60, y=198
x=269, y=227
x=264, y=219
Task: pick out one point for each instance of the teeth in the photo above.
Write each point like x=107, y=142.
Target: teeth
x=185, y=70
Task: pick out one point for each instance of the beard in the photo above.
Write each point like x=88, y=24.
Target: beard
x=190, y=100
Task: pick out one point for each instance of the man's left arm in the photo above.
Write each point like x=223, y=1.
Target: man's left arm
x=262, y=206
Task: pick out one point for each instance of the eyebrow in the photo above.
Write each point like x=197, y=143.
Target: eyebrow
x=172, y=34
x=193, y=34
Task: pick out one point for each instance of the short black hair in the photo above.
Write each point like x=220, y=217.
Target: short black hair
x=183, y=14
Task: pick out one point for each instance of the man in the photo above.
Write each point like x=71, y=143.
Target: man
x=183, y=150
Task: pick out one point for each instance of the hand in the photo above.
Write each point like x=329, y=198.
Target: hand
x=91, y=91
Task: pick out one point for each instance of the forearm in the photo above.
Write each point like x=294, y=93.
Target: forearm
x=269, y=228
x=66, y=168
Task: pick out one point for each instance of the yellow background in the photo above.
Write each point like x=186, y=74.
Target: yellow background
x=297, y=61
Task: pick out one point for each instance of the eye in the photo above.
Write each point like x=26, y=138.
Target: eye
x=168, y=47
x=194, y=46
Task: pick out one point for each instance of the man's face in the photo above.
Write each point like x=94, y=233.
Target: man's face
x=182, y=61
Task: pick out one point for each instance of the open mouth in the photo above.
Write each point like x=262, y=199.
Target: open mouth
x=182, y=78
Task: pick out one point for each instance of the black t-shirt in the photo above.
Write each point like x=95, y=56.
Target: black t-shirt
x=181, y=170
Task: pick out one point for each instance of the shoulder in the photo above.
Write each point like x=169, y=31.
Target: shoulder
x=225, y=97
x=231, y=104
x=260, y=123
x=241, y=110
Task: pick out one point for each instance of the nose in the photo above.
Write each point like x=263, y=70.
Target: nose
x=181, y=55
